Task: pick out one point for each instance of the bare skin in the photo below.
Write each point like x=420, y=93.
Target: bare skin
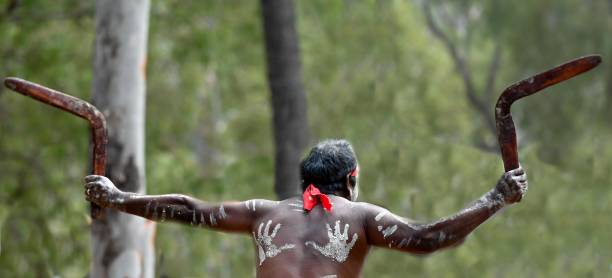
x=292, y=243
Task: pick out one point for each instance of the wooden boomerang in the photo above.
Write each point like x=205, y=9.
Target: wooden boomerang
x=506, y=133
x=74, y=106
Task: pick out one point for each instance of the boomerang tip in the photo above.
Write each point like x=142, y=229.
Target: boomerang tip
x=592, y=60
x=11, y=82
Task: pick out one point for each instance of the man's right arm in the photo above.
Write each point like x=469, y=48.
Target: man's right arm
x=386, y=229
x=227, y=216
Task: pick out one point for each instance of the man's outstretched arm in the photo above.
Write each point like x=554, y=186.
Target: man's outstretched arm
x=227, y=216
x=386, y=229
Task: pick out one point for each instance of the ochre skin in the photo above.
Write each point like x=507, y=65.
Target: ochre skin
x=285, y=253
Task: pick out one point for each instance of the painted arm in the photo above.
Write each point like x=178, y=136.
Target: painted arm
x=386, y=229
x=227, y=216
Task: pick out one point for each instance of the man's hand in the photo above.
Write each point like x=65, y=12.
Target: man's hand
x=102, y=191
x=512, y=185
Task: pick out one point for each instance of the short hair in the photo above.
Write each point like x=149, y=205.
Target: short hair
x=327, y=166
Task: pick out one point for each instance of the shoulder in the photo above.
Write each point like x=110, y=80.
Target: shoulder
x=370, y=209
x=260, y=205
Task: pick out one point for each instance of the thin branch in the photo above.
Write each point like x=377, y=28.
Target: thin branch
x=493, y=70
x=462, y=68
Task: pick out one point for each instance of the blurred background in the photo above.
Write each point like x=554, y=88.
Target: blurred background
x=411, y=84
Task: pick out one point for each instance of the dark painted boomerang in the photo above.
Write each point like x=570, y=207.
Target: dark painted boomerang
x=506, y=133
x=77, y=107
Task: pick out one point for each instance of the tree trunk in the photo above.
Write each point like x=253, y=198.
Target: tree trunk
x=122, y=244
x=290, y=121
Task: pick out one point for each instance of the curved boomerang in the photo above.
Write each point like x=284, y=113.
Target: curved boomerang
x=74, y=106
x=506, y=133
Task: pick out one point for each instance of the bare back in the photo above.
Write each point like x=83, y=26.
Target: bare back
x=290, y=242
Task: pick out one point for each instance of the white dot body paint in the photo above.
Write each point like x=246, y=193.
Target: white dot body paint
x=337, y=248
x=202, y=220
x=163, y=217
x=380, y=215
x=222, y=213
x=213, y=220
x=403, y=243
x=147, y=208
x=389, y=231
x=265, y=247
x=154, y=216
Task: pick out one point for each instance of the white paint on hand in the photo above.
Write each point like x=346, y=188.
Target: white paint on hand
x=265, y=247
x=337, y=248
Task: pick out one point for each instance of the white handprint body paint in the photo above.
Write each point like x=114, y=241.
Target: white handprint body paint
x=265, y=247
x=337, y=248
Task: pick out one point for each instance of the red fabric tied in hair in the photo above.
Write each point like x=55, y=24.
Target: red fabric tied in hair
x=312, y=196
x=354, y=173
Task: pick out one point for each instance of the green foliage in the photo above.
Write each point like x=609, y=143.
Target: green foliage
x=374, y=75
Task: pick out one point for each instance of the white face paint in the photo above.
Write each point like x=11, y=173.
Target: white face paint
x=265, y=247
x=337, y=248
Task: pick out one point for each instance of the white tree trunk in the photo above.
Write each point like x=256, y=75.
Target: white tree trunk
x=122, y=245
